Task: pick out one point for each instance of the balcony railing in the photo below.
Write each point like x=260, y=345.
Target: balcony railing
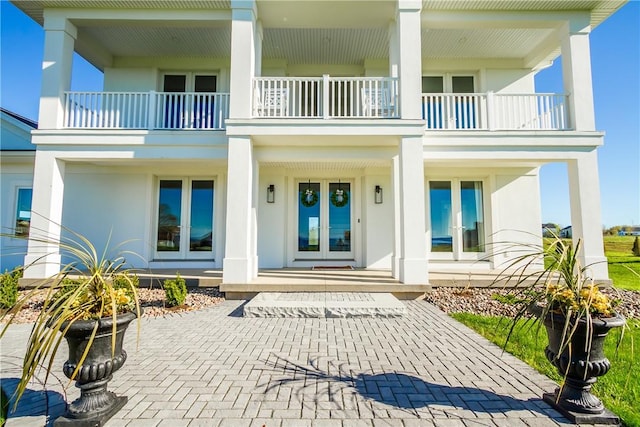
x=325, y=97
x=146, y=110
x=494, y=111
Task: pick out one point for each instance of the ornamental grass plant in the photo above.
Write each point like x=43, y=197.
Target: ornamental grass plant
x=550, y=279
x=91, y=285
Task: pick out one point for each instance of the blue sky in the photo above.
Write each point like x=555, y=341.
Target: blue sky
x=615, y=56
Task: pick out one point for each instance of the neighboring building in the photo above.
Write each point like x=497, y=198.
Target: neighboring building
x=566, y=233
x=239, y=135
x=549, y=229
x=17, y=155
x=630, y=231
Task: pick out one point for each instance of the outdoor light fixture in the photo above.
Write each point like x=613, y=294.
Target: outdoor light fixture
x=378, y=195
x=271, y=193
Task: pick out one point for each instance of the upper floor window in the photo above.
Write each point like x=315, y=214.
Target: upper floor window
x=448, y=84
x=189, y=82
x=23, y=212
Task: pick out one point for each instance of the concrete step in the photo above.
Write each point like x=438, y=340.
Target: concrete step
x=324, y=304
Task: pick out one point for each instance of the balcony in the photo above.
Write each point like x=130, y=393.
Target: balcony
x=146, y=110
x=494, y=111
x=325, y=97
x=321, y=98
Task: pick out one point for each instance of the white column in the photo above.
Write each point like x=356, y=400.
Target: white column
x=394, y=55
x=243, y=57
x=586, y=223
x=409, y=58
x=397, y=236
x=576, y=76
x=413, y=252
x=59, y=38
x=43, y=253
x=254, y=216
x=239, y=247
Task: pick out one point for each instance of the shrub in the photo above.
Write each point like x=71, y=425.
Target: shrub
x=175, y=291
x=9, y=288
x=636, y=246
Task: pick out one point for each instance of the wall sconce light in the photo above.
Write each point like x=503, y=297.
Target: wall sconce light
x=378, y=195
x=271, y=193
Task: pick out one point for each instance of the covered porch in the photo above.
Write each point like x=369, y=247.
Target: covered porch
x=321, y=280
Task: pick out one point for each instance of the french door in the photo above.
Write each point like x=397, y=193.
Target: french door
x=456, y=219
x=324, y=220
x=193, y=111
x=185, y=219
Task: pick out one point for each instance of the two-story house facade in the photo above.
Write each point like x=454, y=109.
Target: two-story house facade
x=239, y=135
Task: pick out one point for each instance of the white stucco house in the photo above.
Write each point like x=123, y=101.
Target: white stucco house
x=17, y=155
x=398, y=135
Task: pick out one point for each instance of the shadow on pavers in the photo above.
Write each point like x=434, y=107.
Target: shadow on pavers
x=34, y=403
x=239, y=310
x=399, y=390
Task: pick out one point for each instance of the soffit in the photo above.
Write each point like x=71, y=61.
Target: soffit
x=600, y=9
x=326, y=166
x=481, y=43
x=325, y=46
x=315, y=32
x=162, y=40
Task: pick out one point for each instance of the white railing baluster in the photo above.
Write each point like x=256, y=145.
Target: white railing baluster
x=494, y=111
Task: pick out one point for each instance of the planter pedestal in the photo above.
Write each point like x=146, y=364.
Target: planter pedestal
x=96, y=405
x=581, y=366
x=604, y=417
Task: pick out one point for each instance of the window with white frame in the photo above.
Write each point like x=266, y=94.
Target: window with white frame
x=23, y=211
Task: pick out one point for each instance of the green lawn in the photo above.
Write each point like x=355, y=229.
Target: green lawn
x=624, y=267
x=619, y=389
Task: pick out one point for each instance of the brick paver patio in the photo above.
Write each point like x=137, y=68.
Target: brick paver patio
x=215, y=368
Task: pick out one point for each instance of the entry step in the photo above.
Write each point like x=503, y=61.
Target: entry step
x=324, y=304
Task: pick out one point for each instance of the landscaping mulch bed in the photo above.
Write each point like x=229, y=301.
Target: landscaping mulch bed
x=481, y=301
x=152, y=302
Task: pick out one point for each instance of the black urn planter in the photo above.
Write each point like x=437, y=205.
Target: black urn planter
x=580, y=368
x=95, y=405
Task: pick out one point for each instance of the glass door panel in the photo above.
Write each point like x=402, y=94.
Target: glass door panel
x=339, y=217
x=201, y=229
x=441, y=216
x=472, y=216
x=325, y=218
x=309, y=217
x=457, y=219
x=185, y=204
x=169, y=216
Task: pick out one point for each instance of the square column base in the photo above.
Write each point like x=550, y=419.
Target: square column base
x=41, y=266
x=237, y=270
x=413, y=271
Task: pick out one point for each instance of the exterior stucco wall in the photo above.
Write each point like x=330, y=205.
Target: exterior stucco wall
x=102, y=200
x=272, y=220
x=14, y=176
x=377, y=220
x=508, y=81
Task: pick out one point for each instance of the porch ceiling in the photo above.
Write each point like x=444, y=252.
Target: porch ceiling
x=308, y=31
x=327, y=166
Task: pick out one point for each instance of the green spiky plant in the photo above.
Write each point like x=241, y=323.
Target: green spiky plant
x=546, y=279
x=92, y=285
x=552, y=288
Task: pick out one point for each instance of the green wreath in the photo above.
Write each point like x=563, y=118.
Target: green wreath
x=310, y=201
x=334, y=198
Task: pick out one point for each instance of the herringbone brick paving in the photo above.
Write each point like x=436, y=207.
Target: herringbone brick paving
x=215, y=368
